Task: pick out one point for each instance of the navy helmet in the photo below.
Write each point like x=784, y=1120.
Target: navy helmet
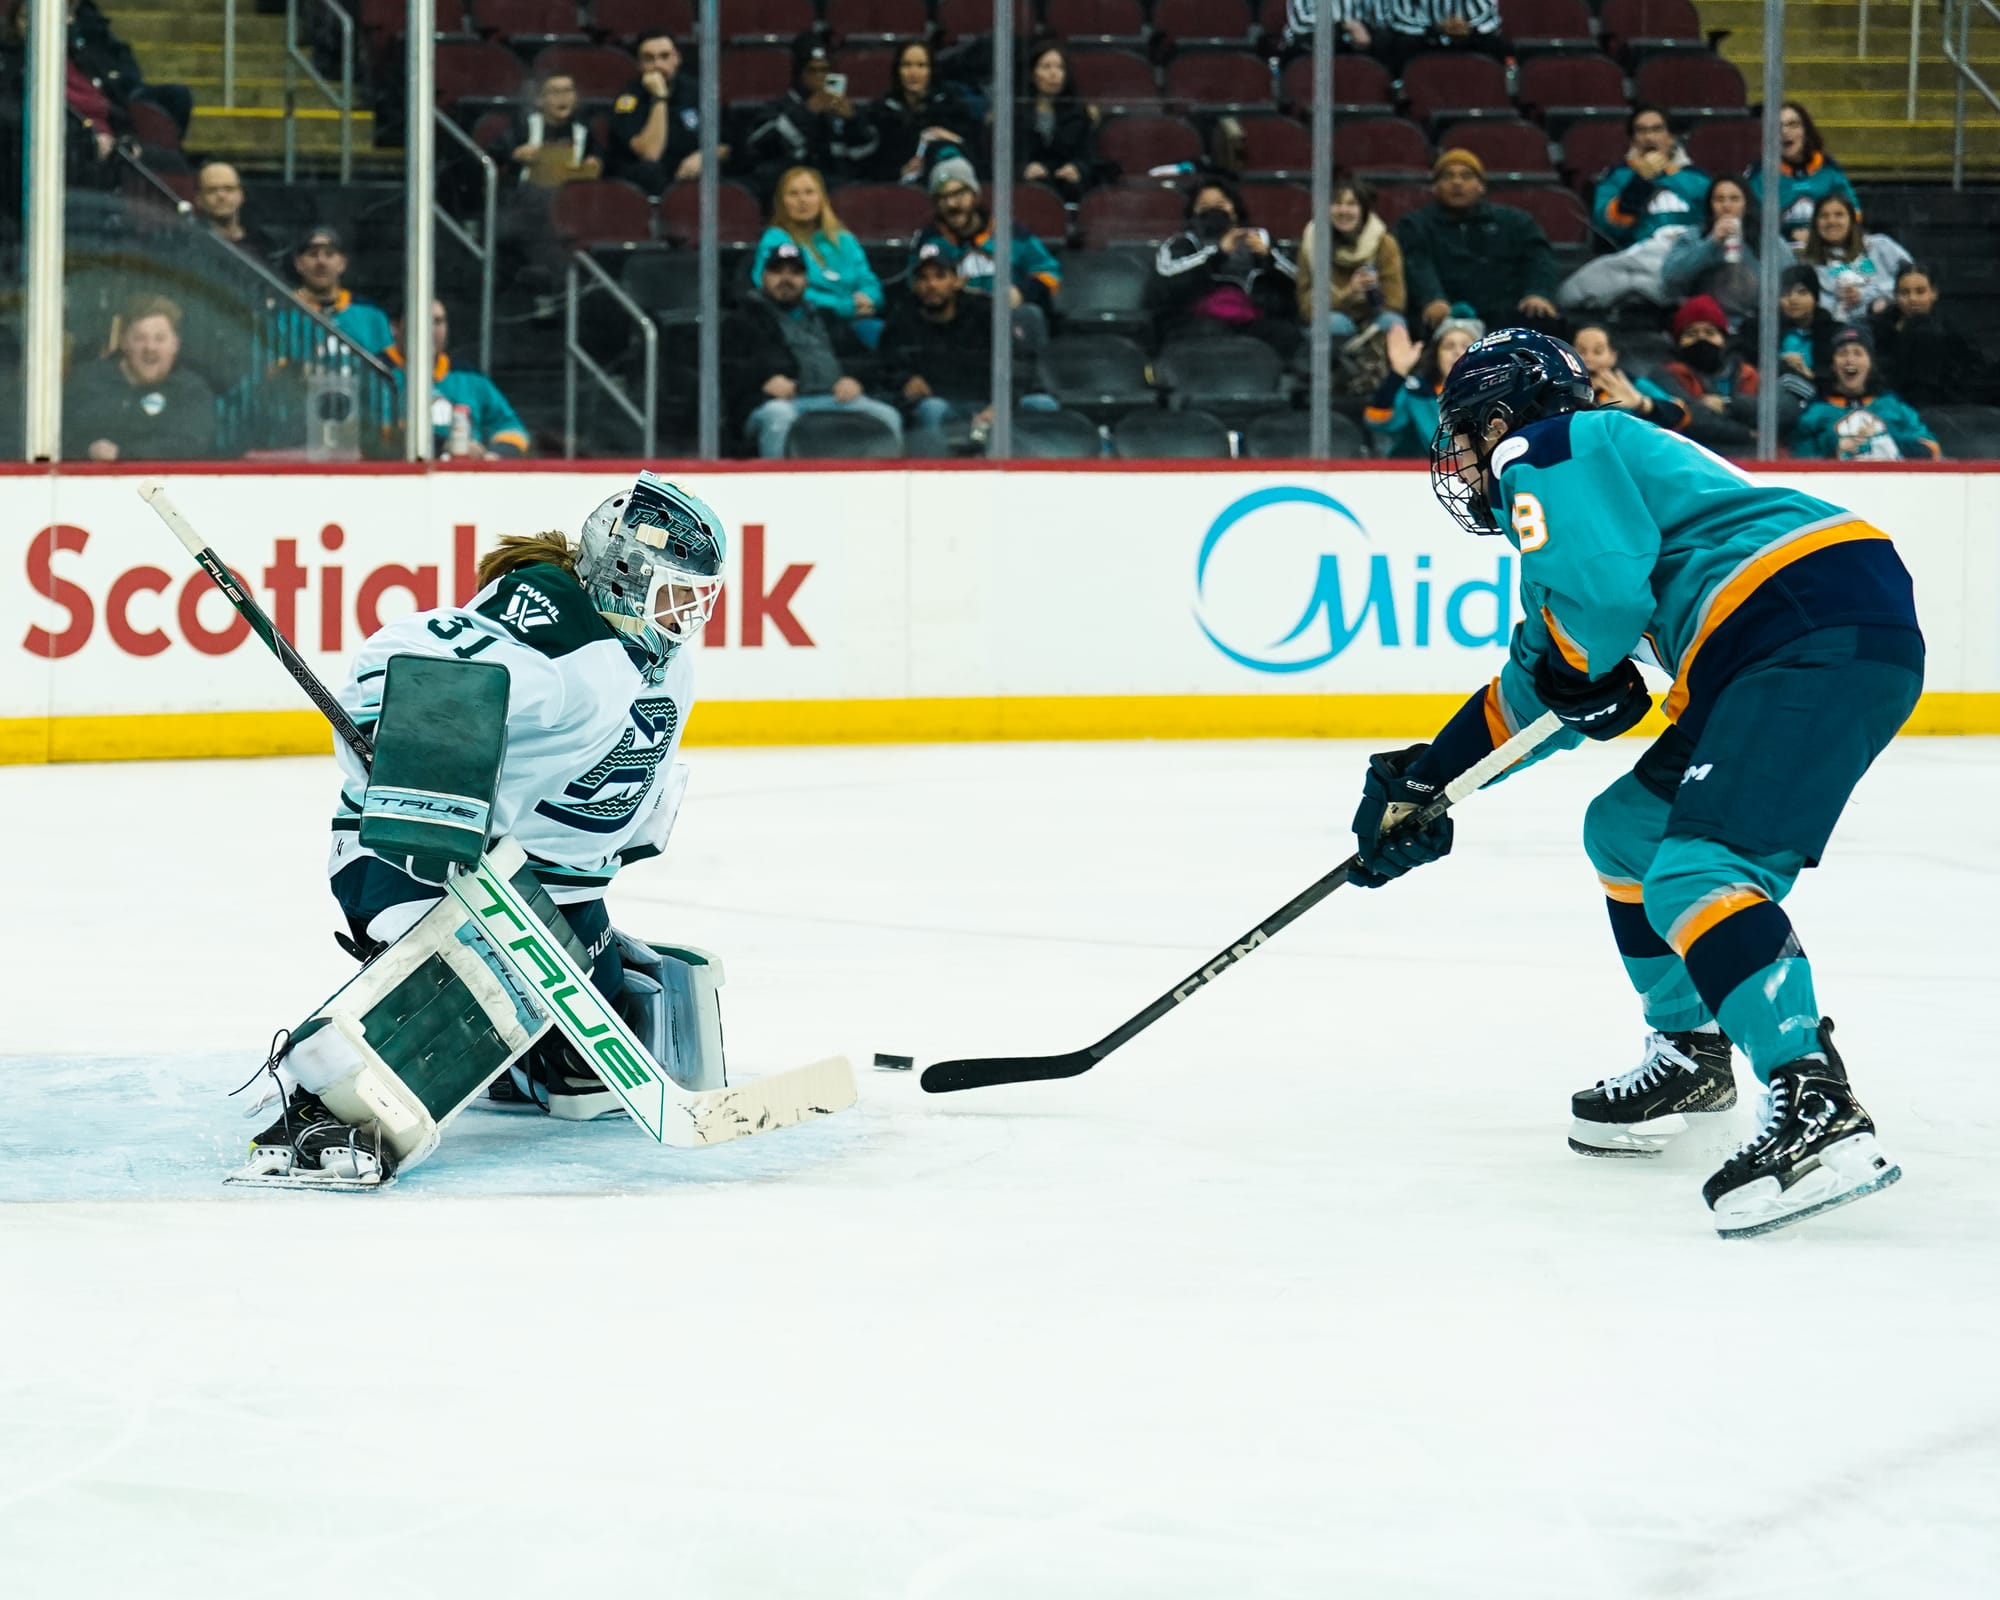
x=1512, y=377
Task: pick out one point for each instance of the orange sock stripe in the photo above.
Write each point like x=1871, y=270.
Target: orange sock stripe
x=1622, y=889
x=1709, y=911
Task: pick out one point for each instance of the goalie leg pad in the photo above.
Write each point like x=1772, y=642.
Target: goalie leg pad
x=416, y=1034
x=673, y=1002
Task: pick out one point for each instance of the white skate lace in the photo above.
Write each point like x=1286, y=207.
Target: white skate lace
x=1776, y=1100
x=1661, y=1056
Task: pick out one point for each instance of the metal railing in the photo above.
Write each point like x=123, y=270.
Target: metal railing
x=645, y=415
x=1916, y=46
x=486, y=248
x=342, y=100
x=1958, y=27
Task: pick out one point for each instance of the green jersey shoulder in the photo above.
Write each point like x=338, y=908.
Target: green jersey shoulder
x=545, y=608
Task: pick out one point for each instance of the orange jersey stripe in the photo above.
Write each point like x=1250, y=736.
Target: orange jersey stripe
x=1704, y=914
x=1496, y=716
x=1745, y=581
x=1572, y=652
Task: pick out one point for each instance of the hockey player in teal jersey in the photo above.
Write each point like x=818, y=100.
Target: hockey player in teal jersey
x=1789, y=630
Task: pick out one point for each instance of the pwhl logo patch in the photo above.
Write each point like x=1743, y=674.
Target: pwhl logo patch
x=1286, y=580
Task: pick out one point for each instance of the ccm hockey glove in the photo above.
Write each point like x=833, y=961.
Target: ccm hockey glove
x=1388, y=795
x=1597, y=708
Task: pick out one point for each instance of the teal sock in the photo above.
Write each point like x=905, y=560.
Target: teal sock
x=1773, y=1015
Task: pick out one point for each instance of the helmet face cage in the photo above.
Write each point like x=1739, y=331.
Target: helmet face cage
x=653, y=563
x=1458, y=472
x=1512, y=377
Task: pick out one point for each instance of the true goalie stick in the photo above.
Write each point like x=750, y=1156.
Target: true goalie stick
x=540, y=962
x=982, y=1072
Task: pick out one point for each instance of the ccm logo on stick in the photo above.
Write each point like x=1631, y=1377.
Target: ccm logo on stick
x=1221, y=964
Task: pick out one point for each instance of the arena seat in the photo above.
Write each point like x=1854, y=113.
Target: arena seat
x=1136, y=144
x=1098, y=374
x=1056, y=436
x=1286, y=435
x=1225, y=374
x=1507, y=150
x=1277, y=147
x=887, y=22
x=1130, y=213
x=601, y=211
x=1169, y=436
x=1195, y=23
x=1558, y=91
x=1361, y=84
x=841, y=436
x=1692, y=86
x=1219, y=81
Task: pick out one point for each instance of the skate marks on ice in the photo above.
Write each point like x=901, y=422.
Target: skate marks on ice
x=166, y=1128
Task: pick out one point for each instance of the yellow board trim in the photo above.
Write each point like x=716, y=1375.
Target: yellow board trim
x=201, y=735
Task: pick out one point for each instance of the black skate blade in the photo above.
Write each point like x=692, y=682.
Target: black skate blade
x=1772, y=1224
x=944, y=1077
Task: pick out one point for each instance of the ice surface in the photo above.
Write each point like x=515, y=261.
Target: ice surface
x=1301, y=1294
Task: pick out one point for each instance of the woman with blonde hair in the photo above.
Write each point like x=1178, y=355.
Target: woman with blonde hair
x=838, y=278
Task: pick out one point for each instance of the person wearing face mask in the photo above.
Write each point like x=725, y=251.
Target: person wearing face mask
x=1856, y=419
x=1221, y=274
x=1718, y=387
x=1644, y=206
x=1926, y=356
x=1718, y=259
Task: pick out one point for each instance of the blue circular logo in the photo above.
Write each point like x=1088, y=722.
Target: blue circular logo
x=1323, y=598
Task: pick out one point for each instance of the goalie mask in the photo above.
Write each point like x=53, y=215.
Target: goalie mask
x=652, y=566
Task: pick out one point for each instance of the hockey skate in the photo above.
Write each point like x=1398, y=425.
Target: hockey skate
x=308, y=1147
x=1816, y=1150
x=1638, y=1113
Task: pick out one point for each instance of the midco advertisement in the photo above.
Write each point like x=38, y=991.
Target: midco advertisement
x=868, y=605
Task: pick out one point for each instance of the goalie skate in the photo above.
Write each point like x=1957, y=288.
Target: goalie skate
x=310, y=1148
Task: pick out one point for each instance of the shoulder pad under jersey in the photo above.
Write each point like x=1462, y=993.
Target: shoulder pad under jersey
x=1544, y=443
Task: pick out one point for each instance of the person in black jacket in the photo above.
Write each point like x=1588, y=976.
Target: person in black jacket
x=107, y=60
x=1925, y=357
x=808, y=127
x=782, y=356
x=1055, y=134
x=135, y=405
x=1221, y=274
x=656, y=121
x=919, y=121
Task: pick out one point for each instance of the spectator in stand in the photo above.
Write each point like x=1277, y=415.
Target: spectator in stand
x=1404, y=29
x=1460, y=248
x=1645, y=207
x=1926, y=357
x=218, y=207
x=1718, y=259
x=1354, y=18
x=1402, y=413
x=656, y=122
x=782, y=356
x=808, y=127
x=135, y=405
x=840, y=281
x=1055, y=133
x=1857, y=420
x=961, y=224
x=1364, y=275
x=1805, y=331
x=920, y=120
x=1222, y=274
x=1806, y=173
x=1857, y=271
x=548, y=145
x=1718, y=387
x=321, y=263
x=1640, y=396
x=108, y=62
x=494, y=431
x=95, y=124
x=937, y=355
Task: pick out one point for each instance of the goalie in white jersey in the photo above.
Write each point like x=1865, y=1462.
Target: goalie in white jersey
x=576, y=741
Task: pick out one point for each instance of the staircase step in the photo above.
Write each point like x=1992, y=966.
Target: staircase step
x=254, y=94
x=1889, y=105
x=1811, y=75
x=261, y=132
x=1868, y=146
x=143, y=30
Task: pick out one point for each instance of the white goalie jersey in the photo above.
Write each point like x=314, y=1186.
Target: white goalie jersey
x=588, y=783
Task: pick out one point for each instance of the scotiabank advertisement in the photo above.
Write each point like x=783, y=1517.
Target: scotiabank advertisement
x=919, y=587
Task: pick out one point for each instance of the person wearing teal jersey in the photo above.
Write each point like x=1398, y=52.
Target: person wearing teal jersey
x=1789, y=629
x=1806, y=173
x=839, y=279
x=1644, y=207
x=1856, y=419
x=494, y=428
x=1401, y=414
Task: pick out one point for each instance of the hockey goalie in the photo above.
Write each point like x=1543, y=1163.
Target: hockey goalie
x=537, y=725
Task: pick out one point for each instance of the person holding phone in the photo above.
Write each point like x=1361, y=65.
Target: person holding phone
x=812, y=124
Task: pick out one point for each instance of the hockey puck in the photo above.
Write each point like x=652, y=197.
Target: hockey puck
x=895, y=1063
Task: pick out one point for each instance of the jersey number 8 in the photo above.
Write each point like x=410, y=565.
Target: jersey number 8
x=1530, y=522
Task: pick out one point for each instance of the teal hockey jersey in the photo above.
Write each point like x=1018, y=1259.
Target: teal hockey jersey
x=1637, y=542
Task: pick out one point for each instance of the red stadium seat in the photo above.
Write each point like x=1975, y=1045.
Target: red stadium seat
x=870, y=70
x=753, y=76
x=876, y=21
x=1506, y=149
x=1731, y=146
x=1557, y=90
x=603, y=211
x=1130, y=213
x=966, y=19
x=1040, y=210
x=1635, y=28
x=599, y=70
x=1359, y=84
x=878, y=213
x=1219, y=80
x=519, y=23
x=1397, y=200
x=470, y=69
x=152, y=127
x=1591, y=149
x=1559, y=212
x=389, y=19
x=627, y=19
x=766, y=21
x=1692, y=86
x=1138, y=144
x=1277, y=147
x=1280, y=209
x=1095, y=21
x=1113, y=79
x=1440, y=87
x=738, y=220
x=1203, y=22
x=1540, y=27
x=1385, y=145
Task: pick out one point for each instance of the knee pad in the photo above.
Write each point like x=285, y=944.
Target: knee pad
x=672, y=1001
x=1622, y=829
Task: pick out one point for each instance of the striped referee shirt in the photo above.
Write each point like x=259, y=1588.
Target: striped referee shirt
x=1398, y=16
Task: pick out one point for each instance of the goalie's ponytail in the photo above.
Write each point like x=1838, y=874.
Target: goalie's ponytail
x=517, y=550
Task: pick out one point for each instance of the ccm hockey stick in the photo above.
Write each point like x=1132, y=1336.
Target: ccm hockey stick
x=981, y=1072
x=540, y=962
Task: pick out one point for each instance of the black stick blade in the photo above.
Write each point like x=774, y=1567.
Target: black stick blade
x=942, y=1077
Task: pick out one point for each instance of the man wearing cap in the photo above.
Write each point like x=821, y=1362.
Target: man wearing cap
x=808, y=127
x=655, y=133
x=783, y=356
x=321, y=262
x=1461, y=248
x=1646, y=207
x=961, y=226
